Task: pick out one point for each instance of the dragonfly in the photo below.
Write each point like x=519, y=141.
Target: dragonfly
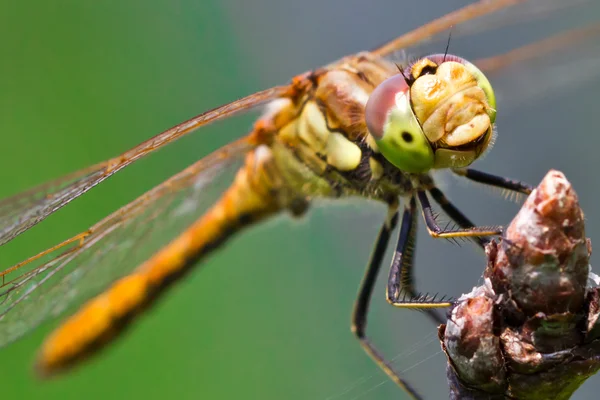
x=325, y=135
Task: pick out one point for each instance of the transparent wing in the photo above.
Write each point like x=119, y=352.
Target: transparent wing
x=22, y=211
x=79, y=268
x=479, y=17
x=544, y=67
x=430, y=30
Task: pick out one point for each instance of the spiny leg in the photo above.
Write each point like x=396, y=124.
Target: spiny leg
x=468, y=228
x=494, y=180
x=455, y=214
x=361, y=306
x=401, y=291
x=437, y=232
x=400, y=281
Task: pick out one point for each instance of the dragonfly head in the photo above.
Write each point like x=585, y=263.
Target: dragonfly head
x=438, y=113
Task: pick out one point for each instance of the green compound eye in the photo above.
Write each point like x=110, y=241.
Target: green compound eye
x=486, y=86
x=395, y=127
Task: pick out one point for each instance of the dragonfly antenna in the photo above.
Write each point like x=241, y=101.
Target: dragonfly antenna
x=447, y=45
x=401, y=70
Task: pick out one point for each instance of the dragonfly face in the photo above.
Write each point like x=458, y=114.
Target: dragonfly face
x=99, y=257
x=438, y=113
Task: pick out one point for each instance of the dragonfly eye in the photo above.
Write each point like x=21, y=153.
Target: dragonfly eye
x=395, y=128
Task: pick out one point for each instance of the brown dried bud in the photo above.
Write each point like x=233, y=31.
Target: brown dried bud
x=531, y=331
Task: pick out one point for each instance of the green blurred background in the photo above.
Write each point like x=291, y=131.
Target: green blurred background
x=81, y=81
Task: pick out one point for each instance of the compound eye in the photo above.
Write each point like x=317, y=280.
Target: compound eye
x=395, y=128
x=381, y=103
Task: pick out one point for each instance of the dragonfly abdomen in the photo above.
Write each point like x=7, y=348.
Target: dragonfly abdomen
x=257, y=192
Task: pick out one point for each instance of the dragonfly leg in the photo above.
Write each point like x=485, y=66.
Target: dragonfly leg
x=456, y=215
x=494, y=180
x=361, y=306
x=437, y=232
x=400, y=291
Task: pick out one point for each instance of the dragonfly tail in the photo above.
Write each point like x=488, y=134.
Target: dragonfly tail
x=248, y=200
